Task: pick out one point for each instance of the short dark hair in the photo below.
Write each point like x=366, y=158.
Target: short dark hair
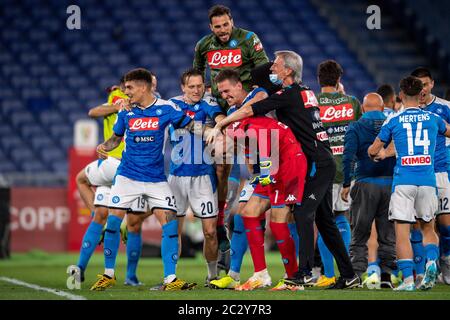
x=139, y=74
x=329, y=72
x=217, y=11
x=386, y=91
x=411, y=86
x=422, y=72
x=228, y=74
x=191, y=73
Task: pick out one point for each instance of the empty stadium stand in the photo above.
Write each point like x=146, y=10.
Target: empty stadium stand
x=50, y=76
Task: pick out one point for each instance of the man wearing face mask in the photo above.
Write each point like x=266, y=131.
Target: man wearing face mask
x=297, y=107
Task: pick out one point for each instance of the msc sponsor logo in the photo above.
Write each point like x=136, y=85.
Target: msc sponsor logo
x=337, y=129
x=144, y=139
x=219, y=59
x=343, y=112
x=416, y=160
x=144, y=124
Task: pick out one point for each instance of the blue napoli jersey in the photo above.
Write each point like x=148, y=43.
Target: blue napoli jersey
x=250, y=96
x=388, y=111
x=188, y=156
x=414, y=132
x=441, y=108
x=143, y=131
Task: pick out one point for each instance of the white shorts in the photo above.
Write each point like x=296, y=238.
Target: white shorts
x=443, y=187
x=101, y=172
x=246, y=192
x=196, y=192
x=338, y=203
x=140, y=205
x=409, y=203
x=125, y=191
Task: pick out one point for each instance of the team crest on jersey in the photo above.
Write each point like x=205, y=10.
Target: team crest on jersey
x=158, y=112
x=233, y=43
x=115, y=199
x=196, y=107
x=100, y=197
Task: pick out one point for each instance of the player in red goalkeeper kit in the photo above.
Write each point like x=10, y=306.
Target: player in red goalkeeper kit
x=279, y=185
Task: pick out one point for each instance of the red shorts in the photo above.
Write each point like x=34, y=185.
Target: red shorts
x=289, y=180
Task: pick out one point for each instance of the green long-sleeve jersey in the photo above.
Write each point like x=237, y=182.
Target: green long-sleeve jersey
x=242, y=52
x=336, y=112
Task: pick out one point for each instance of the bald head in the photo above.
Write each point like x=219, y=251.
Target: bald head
x=373, y=102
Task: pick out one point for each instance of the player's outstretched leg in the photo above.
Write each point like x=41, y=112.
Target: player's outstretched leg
x=111, y=247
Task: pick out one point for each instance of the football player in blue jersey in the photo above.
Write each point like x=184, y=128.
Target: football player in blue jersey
x=440, y=107
x=192, y=175
x=414, y=132
x=141, y=173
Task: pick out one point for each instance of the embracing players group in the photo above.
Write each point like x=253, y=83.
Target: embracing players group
x=262, y=144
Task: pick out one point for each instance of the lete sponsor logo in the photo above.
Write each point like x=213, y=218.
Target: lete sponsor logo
x=343, y=112
x=144, y=124
x=416, y=160
x=218, y=59
x=309, y=99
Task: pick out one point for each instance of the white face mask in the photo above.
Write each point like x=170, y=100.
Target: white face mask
x=274, y=79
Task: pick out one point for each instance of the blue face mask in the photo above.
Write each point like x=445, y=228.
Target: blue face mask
x=274, y=79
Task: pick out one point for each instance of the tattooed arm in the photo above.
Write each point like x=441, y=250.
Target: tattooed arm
x=108, y=145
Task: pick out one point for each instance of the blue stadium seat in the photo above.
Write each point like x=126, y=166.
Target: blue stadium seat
x=50, y=77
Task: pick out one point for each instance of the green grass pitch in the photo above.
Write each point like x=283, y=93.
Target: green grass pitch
x=48, y=270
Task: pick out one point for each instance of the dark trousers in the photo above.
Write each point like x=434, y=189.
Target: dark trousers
x=317, y=206
x=371, y=202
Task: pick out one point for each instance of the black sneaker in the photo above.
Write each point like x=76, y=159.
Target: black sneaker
x=386, y=281
x=347, y=283
x=301, y=280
